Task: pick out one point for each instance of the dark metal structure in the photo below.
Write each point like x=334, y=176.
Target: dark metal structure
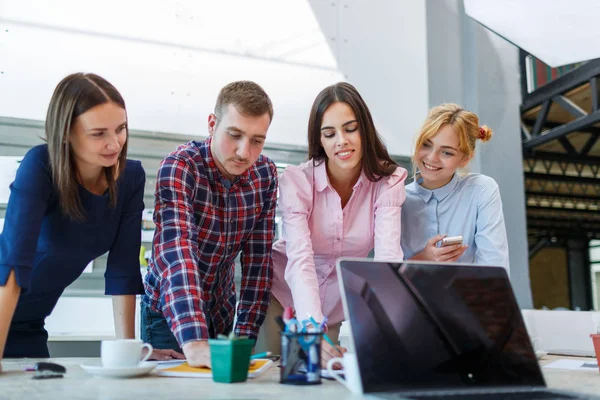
x=561, y=162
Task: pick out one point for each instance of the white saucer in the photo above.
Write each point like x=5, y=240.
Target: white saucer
x=119, y=372
x=540, y=353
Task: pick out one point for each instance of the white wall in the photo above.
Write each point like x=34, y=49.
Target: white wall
x=562, y=332
x=474, y=67
x=381, y=47
x=83, y=316
x=499, y=95
x=170, y=61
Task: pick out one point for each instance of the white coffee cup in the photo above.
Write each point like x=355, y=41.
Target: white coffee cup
x=350, y=371
x=536, y=343
x=123, y=352
x=344, y=336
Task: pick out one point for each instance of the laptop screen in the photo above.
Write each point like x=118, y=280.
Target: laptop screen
x=418, y=326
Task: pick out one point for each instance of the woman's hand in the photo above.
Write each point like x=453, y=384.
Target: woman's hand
x=446, y=254
x=328, y=352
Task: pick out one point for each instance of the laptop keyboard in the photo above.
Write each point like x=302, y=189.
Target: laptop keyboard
x=534, y=395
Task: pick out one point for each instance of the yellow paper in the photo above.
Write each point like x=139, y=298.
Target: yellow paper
x=184, y=369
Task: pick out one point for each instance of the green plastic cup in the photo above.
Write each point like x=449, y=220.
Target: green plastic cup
x=230, y=359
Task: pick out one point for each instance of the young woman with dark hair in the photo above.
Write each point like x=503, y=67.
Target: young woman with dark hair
x=344, y=201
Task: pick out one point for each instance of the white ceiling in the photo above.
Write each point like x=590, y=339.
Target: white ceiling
x=558, y=32
x=168, y=58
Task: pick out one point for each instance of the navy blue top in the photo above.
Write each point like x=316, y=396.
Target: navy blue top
x=48, y=251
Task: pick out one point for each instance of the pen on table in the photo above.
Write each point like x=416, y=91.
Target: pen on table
x=316, y=325
x=260, y=355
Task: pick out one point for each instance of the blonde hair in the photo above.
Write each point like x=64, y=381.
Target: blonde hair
x=465, y=124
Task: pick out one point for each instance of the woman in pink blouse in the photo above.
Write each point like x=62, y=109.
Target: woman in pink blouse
x=344, y=201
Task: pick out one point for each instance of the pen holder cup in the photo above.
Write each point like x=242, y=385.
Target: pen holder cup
x=300, y=358
x=230, y=359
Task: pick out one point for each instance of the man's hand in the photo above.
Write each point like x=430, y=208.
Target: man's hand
x=328, y=352
x=197, y=353
x=447, y=253
x=165, y=355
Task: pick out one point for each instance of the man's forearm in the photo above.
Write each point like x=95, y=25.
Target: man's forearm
x=9, y=295
x=124, y=316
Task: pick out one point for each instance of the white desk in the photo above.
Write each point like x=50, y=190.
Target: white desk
x=77, y=384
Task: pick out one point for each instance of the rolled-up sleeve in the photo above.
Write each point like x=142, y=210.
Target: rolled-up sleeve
x=122, y=274
x=490, y=235
x=295, y=203
x=387, y=208
x=176, y=251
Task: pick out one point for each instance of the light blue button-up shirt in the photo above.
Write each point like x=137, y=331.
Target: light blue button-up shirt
x=468, y=206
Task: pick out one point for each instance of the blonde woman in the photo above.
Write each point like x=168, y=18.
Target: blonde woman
x=442, y=202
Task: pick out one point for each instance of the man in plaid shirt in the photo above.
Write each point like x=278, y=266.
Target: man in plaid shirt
x=214, y=199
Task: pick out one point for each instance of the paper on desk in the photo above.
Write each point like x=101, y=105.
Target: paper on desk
x=174, y=361
x=591, y=365
x=184, y=370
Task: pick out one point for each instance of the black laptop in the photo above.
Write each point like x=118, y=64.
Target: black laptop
x=439, y=331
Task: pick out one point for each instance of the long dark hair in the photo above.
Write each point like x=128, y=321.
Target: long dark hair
x=376, y=162
x=74, y=95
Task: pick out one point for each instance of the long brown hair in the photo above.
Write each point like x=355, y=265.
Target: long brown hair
x=376, y=162
x=74, y=95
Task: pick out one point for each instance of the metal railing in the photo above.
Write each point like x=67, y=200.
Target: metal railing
x=538, y=73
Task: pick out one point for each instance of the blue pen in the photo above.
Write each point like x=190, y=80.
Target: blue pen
x=316, y=324
x=260, y=355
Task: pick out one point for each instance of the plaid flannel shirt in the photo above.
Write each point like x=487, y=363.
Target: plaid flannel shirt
x=202, y=222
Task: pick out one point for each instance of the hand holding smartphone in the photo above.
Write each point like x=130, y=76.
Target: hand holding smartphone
x=449, y=241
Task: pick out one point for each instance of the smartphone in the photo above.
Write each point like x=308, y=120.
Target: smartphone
x=449, y=241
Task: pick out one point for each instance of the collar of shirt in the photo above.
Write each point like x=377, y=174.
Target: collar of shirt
x=440, y=193
x=212, y=171
x=322, y=180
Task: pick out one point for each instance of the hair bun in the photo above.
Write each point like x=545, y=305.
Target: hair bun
x=485, y=133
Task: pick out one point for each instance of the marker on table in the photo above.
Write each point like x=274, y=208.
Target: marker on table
x=316, y=325
x=260, y=355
